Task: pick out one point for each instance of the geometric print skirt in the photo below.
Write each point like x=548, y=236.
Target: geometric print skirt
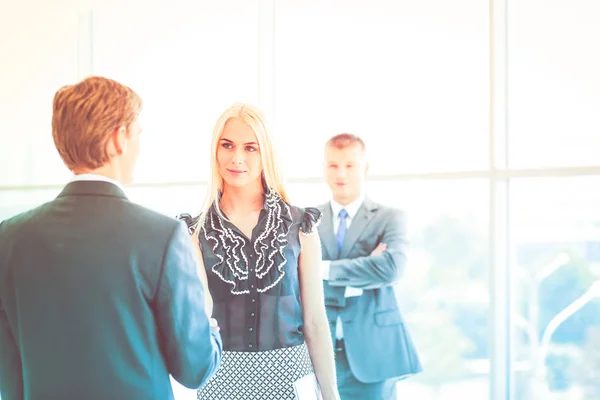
x=261, y=375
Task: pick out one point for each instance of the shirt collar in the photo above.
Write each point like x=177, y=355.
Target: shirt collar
x=95, y=177
x=351, y=208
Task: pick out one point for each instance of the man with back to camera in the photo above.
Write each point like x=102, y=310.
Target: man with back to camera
x=100, y=298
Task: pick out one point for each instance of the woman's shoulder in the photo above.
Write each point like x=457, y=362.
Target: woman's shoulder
x=189, y=220
x=309, y=218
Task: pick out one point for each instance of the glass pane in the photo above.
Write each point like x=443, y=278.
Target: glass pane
x=554, y=85
x=555, y=234
x=410, y=77
x=188, y=60
x=39, y=55
x=444, y=293
x=169, y=200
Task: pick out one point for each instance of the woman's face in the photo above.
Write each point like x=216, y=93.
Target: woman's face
x=238, y=155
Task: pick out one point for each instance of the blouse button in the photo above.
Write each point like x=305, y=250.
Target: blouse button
x=253, y=300
x=251, y=286
x=250, y=329
x=250, y=345
x=252, y=314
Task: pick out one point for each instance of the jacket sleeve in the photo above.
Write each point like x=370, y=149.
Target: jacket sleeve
x=11, y=371
x=372, y=272
x=192, y=348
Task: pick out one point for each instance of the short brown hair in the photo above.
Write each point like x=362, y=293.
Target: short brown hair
x=343, y=140
x=84, y=115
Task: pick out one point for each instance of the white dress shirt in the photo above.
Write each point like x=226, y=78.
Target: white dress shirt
x=352, y=209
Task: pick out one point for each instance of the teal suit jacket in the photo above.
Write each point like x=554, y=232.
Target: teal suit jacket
x=376, y=338
x=99, y=299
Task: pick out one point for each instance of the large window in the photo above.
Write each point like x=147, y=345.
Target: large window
x=39, y=54
x=481, y=120
x=406, y=75
x=555, y=243
x=444, y=291
x=189, y=61
x=554, y=85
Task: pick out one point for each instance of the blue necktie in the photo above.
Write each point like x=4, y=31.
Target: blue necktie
x=342, y=229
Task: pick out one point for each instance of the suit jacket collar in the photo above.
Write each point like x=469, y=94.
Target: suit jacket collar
x=351, y=208
x=92, y=188
x=95, y=177
x=370, y=204
x=326, y=232
x=360, y=221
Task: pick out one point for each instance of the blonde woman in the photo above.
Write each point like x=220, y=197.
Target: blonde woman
x=261, y=258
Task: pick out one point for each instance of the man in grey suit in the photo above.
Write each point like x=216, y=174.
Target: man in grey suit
x=100, y=298
x=364, y=253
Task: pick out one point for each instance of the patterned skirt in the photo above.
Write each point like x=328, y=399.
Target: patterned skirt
x=268, y=375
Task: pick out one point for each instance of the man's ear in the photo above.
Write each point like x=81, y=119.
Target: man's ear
x=118, y=141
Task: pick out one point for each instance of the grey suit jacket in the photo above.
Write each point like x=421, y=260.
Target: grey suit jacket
x=100, y=299
x=377, y=342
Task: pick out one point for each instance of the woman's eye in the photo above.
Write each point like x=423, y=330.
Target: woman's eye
x=251, y=148
x=227, y=145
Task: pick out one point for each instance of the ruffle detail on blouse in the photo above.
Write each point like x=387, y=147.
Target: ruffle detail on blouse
x=230, y=248
x=311, y=220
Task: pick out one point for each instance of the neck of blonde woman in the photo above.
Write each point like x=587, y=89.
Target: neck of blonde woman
x=244, y=199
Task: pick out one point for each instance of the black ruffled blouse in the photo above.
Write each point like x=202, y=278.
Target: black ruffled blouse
x=254, y=281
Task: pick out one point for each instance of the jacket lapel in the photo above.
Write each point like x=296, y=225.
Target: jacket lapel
x=359, y=223
x=327, y=235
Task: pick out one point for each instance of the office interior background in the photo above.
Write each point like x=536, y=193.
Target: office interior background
x=482, y=122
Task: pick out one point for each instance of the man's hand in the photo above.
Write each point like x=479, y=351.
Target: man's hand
x=214, y=324
x=381, y=247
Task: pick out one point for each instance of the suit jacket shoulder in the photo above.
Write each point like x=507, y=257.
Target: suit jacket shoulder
x=13, y=228
x=150, y=218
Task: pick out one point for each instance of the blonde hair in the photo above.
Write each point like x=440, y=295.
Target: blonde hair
x=84, y=115
x=271, y=174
